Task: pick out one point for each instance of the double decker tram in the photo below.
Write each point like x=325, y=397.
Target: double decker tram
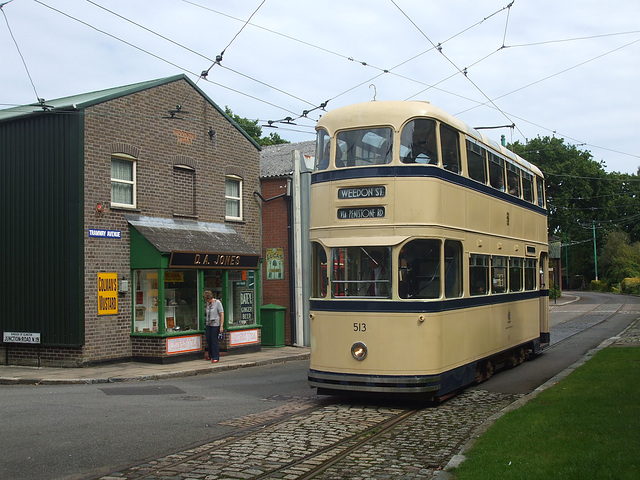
x=429, y=253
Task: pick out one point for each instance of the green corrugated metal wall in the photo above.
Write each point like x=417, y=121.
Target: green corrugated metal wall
x=41, y=219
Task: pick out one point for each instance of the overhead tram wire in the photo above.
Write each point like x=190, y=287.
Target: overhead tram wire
x=464, y=72
x=198, y=76
x=40, y=100
x=221, y=55
x=215, y=62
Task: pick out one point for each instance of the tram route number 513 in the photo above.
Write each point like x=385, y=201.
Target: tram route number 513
x=359, y=327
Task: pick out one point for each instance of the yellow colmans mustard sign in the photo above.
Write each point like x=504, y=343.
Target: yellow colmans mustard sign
x=108, y=293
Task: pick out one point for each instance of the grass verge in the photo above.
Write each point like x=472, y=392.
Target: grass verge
x=587, y=426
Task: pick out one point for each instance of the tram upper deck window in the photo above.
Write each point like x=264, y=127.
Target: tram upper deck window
x=418, y=142
x=513, y=179
x=527, y=186
x=360, y=272
x=496, y=171
x=323, y=150
x=540, y=191
x=477, y=162
x=364, y=147
x=419, y=269
x=450, y=140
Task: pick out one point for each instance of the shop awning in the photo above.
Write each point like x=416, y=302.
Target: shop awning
x=194, y=239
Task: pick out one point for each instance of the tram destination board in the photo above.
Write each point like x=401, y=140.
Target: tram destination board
x=360, y=212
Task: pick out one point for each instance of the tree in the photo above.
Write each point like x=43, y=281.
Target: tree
x=580, y=195
x=620, y=258
x=254, y=130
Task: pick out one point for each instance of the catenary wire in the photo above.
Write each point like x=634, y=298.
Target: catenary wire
x=18, y=49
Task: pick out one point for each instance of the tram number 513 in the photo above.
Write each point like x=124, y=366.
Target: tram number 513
x=359, y=327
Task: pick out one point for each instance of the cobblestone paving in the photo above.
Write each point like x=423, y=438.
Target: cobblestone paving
x=298, y=445
x=631, y=337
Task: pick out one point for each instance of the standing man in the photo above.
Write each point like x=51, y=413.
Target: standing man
x=214, y=320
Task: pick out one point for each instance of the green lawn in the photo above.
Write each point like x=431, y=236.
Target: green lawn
x=585, y=427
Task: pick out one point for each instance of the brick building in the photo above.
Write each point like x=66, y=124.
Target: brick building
x=119, y=208
x=285, y=178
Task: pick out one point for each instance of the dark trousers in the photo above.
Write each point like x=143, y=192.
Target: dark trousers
x=212, y=342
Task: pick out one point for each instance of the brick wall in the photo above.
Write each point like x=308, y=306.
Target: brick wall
x=275, y=235
x=136, y=125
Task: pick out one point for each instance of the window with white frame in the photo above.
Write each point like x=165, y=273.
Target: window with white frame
x=123, y=181
x=233, y=197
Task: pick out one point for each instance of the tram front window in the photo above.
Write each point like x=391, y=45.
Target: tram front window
x=323, y=150
x=418, y=142
x=360, y=272
x=364, y=147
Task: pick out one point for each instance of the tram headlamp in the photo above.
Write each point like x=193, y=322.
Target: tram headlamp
x=359, y=351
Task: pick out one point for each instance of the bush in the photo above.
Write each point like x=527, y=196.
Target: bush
x=554, y=291
x=599, y=286
x=630, y=286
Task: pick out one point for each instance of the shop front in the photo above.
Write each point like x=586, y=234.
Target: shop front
x=172, y=263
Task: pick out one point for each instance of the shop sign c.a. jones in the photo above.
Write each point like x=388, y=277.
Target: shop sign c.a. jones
x=236, y=261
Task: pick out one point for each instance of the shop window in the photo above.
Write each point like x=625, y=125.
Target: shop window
x=498, y=275
x=419, y=269
x=241, y=309
x=180, y=300
x=479, y=274
x=177, y=308
x=184, y=190
x=233, y=198
x=123, y=181
x=146, y=301
x=319, y=269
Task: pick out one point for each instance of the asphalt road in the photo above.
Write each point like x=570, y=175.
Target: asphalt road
x=576, y=328
x=76, y=431
x=80, y=431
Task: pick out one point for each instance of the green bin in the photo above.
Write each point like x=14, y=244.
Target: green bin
x=272, y=325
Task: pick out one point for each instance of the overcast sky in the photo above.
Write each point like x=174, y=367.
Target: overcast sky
x=568, y=68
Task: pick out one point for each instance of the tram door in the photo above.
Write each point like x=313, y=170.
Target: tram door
x=544, y=297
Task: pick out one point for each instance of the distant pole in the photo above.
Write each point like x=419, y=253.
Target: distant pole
x=595, y=256
x=566, y=253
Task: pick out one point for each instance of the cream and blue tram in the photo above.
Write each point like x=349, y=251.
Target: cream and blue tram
x=429, y=253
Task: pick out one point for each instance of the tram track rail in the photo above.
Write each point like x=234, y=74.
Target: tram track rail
x=585, y=324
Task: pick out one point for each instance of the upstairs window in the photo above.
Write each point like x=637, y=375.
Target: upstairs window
x=233, y=198
x=123, y=181
x=418, y=142
x=476, y=162
x=450, y=148
x=361, y=148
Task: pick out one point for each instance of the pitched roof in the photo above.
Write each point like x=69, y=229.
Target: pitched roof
x=85, y=100
x=277, y=161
